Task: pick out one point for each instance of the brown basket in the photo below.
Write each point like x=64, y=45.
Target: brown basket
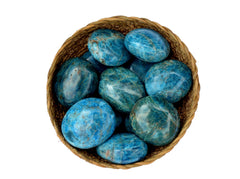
x=76, y=46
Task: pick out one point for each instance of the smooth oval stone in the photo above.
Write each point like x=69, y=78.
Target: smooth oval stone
x=147, y=45
x=75, y=80
x=171, y=79
x=107, y=47
x=121, y=88
x=140, y=68
x=155, y=120
x=88, y=123
x=123, y=148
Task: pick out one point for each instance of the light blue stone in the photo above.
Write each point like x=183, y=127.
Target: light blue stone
x=107, y=47
x=121, y=88
x=140, y=68
x=155, y=120
x=147, y=45
x=75, y=80
x=171, y=79
x=88, y=123
x=123, y=148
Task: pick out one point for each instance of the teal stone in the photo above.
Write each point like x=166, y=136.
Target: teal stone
x=155, y=120
x=147, y=45
x=140, y=68
x=170, y=79
x=107, y=47
x=88, y=123
x=75, y=80
x=123, y=148
x=121, y=88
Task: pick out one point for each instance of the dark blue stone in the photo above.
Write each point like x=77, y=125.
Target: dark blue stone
x=98, y=66
x=140, y=68
x=147, y=45
x=155, y=120
x=171, y=79
x=107, y=46
x=124, y=148
x=75, y=80
x=121, y=88
x=127, y=124
x=88, y=123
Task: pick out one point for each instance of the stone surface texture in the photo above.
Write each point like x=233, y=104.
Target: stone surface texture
x=171, y=79
x=155, y=120
x=121, y=88
x=75, y=80
x=107, y=47
x=147, y=45
x=123, y=148
x=88, y=123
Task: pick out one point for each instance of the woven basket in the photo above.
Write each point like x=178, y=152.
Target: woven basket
x=76, y=46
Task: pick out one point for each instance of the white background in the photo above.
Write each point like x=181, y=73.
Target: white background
x=31, y=32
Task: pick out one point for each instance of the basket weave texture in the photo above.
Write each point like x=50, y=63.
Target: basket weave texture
x=76, y=46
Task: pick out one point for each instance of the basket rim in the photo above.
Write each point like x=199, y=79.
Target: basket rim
x=119, y=20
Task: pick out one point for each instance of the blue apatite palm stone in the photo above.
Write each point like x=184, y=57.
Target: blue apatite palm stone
x=171, y=79
x=155, y=120
x=88, y=123
x=147, y=45
x=75, y=80
x=121, y=88
x=97, y=65
x=123, y=148
x=140, y=68
x=107, y=47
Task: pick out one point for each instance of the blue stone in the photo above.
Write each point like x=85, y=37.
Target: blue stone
x=171, y=79
x=140, y=68
x=127, y=124
x=75, y=80
x=155, y=120
x=123, y=148
x=97, y=65
x=88, y=123
x=107, y=47
x=147, y=45
x=121, y=88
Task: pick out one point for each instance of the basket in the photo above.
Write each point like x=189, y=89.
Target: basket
x=76, y=46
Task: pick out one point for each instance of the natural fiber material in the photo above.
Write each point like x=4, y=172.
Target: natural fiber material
x=76, y=46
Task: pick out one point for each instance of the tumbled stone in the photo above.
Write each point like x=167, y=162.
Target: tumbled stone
x=121, y=88
x=88, y=123
x=123, y=148
x=107, y=47
x=147, y=45
x=140, y=68
x=171, y=79
x=75, y=80
x=155, y=120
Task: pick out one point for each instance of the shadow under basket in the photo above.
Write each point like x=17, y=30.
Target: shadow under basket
x=76, y=46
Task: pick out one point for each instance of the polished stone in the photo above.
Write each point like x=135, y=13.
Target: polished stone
x=123, y=148
x=155, y=120
x=171, y=79
x=88, y=123
x=140, y=68
x=107, y=47
x=97, y=65
x=121, y=88
x=75, y=80
x=147, y=45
